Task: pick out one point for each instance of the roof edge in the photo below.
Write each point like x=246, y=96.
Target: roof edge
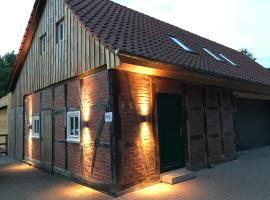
x=148, y=62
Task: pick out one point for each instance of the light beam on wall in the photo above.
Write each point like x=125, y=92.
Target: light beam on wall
x=29, y=128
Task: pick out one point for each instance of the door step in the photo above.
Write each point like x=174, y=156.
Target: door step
x=177, y=176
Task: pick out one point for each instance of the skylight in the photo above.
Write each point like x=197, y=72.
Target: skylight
x=211, y=54
x=227, y=59
x=180, y=43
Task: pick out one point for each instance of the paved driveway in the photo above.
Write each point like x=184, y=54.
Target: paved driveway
x=245, y=179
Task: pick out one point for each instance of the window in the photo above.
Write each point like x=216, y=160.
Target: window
x=60, y=31
x=180, y=43
x=43, y=43
x=211, y=54
x=227, y=59
x=35, y=127
x=73, y=126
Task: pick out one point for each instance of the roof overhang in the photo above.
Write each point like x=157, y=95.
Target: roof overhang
x=138, y=64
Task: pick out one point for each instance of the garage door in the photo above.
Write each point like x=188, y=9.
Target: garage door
x=252, y=123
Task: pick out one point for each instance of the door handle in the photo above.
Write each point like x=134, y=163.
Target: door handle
x=180, y=129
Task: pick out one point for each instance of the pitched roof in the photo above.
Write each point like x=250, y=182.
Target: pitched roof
x=121, y=28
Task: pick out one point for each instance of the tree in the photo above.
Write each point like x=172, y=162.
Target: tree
x=6, y=64
x=246, y=52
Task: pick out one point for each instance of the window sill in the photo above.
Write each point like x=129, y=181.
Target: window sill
x=75, y=141
x=35, y=137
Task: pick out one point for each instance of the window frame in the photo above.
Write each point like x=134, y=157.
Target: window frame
x=228, y=60
x=211, y=54
x=180, y=43
x=35, y=134
x=60, y=23
x=43, y=44
x=73, y=137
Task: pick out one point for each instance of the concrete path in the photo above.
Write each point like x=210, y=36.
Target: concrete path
x=245, y=179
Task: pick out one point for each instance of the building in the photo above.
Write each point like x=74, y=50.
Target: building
x=113, y=98
x=4, y=109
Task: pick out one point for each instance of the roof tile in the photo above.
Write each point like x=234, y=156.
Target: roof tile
x=119, y=27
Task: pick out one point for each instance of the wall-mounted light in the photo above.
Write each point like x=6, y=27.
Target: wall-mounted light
x=30, y=126
x=145, y=118
x=87, y=124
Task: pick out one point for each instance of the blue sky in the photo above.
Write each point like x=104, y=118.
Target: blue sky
x=234, y=23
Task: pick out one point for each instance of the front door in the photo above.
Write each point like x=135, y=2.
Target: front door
x=46, y=140
x=170, y=129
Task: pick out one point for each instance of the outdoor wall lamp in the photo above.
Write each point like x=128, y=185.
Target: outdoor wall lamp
x=87, y=124
x=30, y=126
x=145, y=118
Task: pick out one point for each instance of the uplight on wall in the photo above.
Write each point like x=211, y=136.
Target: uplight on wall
x=29, y=118
x=86, y=136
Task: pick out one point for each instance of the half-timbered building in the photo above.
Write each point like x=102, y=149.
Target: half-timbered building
x=114, y=98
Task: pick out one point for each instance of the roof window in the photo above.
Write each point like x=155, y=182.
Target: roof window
x=228, y=60
x=211, y=54
x=180, y=43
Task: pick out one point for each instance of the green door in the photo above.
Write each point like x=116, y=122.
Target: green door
x=171, y=143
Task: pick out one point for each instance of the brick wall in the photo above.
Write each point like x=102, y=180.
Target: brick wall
x=208, y=124
x=136, y=142
x=87, y=159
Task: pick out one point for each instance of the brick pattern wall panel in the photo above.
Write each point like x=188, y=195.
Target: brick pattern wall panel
x=59, y=138
x=36, y=103
x=168, y=85
x=138, y=164
x=195, y=127
x=132, y=166
x=95, y=95
x=59, y=129
x=101, y=170
x=47, y=98
x=59, y=155
x=59, y=97
x=74, y=158
x=96, y=88
x=35, y=149
x=74, y=94
x=89, y=95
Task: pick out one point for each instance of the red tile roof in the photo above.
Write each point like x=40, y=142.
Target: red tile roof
x=121, y=28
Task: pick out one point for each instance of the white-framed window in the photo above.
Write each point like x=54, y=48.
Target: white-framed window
x=35, y=126
x=73, y=126
x=59, y=31
x=43, y=44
